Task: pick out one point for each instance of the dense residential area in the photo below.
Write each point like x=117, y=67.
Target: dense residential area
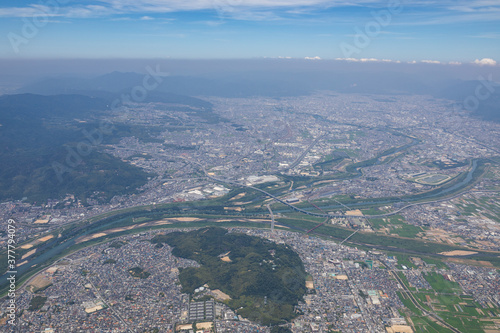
x=349, y=290
x=394, y=217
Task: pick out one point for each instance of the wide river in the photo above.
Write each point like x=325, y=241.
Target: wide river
x=98, y=227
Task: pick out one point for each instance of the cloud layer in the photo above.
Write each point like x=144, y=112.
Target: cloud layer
x=482, y=62
x=458, y=9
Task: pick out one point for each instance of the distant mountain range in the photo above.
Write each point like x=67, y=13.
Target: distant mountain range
x=258, y=83
x=110, y=87
x=178, y=89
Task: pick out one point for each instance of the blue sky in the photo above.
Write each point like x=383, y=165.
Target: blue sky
x=424, y=30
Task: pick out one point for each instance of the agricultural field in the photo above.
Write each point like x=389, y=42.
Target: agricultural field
x=445, y=299
x=481, y=205
x=396, y=225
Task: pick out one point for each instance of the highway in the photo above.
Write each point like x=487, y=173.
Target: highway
x=272, y=217
x=230, y=182
x=304, y=153
x=326, y=215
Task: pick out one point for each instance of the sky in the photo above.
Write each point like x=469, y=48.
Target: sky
x=445, y=31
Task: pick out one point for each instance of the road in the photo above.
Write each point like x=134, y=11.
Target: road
x=117, y=314
x=272, y=217
x=304, y=153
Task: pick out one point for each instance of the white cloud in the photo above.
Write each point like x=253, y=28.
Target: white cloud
x=398, y=61
x=296, y=6
x=347, y=59
x=31, y=11
x=485, y=62
x=211, y=23
x=368, y=60
x=89, y=11
x=313, y=58
x=147, y=18
x=122, y=19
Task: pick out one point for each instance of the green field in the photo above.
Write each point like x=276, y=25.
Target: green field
x=396, y=225
x=446, y=300
x=441, y=285
x=426, y=325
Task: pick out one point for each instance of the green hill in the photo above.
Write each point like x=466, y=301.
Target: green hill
x=46, y=154
x=265, y=280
